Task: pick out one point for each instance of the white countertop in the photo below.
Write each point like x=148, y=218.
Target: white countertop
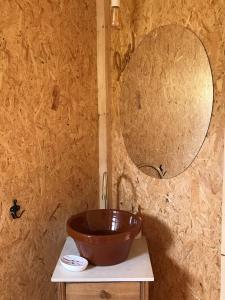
x=137, y=267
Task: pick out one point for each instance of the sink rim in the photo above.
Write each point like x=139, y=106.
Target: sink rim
x=130, y=233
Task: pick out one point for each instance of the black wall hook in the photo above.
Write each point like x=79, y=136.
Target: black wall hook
x=14, y=209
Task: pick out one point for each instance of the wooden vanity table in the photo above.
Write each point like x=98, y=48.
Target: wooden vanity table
x=128, y=280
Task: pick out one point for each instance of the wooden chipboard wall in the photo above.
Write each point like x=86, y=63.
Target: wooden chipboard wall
x=48, y=135
x=182, y=216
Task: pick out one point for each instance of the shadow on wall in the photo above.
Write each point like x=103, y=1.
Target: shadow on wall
x=126, y=194
x=171, y=282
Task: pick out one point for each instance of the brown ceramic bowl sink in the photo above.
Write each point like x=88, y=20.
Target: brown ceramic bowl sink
x=104, y=236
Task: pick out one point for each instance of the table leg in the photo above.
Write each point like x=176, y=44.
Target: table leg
x=61, y=289
x=144, y=290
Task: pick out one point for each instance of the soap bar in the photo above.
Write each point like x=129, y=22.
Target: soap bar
x=74, y=263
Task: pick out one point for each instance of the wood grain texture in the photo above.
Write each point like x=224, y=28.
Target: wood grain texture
x=102, y=290
x=103, y=63
x=182, y=216
x=48, y=135
x=166, y=88
x=61, y=291
x=144, y=290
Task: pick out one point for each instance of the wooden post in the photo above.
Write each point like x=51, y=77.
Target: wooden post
x=103, y=33
x=61, y=290
x=144, y=290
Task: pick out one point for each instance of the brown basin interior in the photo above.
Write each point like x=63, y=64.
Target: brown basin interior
x=104, y=236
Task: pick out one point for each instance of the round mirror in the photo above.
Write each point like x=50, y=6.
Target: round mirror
x=166, y=101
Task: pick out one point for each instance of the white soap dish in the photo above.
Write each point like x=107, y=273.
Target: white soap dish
x=74, y=263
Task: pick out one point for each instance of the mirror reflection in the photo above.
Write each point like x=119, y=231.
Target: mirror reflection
x=166, y=101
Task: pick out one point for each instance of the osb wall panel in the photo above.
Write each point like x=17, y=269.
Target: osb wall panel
x=48, y=135
x=182, y=216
